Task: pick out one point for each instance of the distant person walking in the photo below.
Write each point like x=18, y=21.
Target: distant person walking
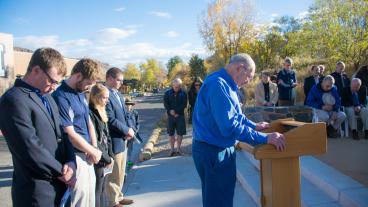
x=43, y=157
x=286, y=82
x=175, y=102
x=192, y=95
x=217, y=123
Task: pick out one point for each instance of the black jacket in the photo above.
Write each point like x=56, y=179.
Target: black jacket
x=38, y=146
x=192, y=96
x=309, y=82
x=177, y=102
x=102, y=135
x=341, y=81
x=347, y=97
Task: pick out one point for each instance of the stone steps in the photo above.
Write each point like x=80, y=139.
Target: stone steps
x=322, y=186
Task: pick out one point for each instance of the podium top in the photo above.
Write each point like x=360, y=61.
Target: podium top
x=300, y=139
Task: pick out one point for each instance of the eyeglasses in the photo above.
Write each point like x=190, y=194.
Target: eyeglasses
x=52, y=81
x=197, y=84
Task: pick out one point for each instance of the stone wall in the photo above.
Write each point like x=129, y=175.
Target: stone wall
x=268, y=114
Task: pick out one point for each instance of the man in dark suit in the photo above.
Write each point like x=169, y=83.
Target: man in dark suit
x=342, y=81
x=43, y=158
x=312, y=80
x=120, y=132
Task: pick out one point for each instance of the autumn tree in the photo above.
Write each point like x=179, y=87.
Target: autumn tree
x=197, y=68
x=227, y=25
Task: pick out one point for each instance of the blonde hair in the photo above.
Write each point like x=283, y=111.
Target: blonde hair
x=94, y=99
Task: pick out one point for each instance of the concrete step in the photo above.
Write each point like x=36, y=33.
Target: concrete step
x=248, y=176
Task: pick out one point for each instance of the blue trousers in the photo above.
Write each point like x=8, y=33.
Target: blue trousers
x=216, y=167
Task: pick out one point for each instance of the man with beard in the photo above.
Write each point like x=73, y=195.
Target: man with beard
x=74, y=113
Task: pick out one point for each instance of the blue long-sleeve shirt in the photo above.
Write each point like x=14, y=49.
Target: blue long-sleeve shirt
x=217, y=117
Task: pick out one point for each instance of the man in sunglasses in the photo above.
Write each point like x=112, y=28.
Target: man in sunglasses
x=43, y=158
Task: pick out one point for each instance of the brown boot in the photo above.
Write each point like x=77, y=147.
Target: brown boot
x=126, y=201
x=355, y=134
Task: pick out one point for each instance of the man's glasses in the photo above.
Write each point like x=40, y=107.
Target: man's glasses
x=197, y=84
x=52, y=81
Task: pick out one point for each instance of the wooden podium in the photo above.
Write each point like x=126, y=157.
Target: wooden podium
x=280, y=171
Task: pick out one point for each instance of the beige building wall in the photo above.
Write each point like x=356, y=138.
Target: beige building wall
x=6, y=61
x=21, y=60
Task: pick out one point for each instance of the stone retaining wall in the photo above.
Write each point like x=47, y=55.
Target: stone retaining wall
x=268, y=114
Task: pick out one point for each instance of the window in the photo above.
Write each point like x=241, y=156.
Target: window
x=2, y=61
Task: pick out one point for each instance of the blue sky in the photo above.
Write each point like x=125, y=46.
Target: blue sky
x=118, y=32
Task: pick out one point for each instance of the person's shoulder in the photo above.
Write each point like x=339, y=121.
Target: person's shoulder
x=13, y=94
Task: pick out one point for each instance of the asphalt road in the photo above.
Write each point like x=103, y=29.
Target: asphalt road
x=150, y=109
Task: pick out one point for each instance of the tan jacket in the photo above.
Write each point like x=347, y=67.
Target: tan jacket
x=260, y=96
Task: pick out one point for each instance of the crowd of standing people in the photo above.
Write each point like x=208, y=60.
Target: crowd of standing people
x=60, y=140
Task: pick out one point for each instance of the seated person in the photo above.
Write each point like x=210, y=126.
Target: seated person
x=266, y=93
x=326, y=101
x=311, y=80
x=354, y=99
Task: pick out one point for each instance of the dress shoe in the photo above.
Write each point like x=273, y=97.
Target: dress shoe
x=355, y=134
x=126, y=201
x=118, y=205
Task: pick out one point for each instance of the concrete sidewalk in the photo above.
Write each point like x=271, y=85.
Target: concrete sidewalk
x=168, y=182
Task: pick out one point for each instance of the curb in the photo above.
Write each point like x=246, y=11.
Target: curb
x=146, y=154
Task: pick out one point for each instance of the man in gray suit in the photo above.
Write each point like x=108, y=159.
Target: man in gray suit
x=43, y=158
x=120, y=133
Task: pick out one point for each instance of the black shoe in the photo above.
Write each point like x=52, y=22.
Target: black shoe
x=334, y=133
x=366, y=134
x=355, y=134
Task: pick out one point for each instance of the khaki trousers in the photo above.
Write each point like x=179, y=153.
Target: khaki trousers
x=325, y=116
x=352, y=117
x=83, y=193
x=115, y=180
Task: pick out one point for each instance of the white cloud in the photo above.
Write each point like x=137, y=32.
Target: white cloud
x=274, y=15
x=120, y=9
x=117, y=54
x=303, y=14
x=112, y=35
x=171, y=34
x=161, y=14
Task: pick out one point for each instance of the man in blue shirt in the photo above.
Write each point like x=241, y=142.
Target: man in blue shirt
x=217, y=123
x=74, y=114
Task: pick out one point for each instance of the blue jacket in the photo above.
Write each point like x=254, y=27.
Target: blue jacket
x=38, y=145
x=118, y=124
x=217, y=117
x=314, y=99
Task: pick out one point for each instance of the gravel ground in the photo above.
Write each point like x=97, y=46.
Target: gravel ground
x=162, y=147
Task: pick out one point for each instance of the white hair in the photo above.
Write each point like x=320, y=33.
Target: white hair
x=329, y=78
x=177, y=81
x=243, y=58
x=356, y=80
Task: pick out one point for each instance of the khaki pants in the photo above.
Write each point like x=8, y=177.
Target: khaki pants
x=325, y=116
x=352, y=117
x=115, y=180
x=83, y=193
